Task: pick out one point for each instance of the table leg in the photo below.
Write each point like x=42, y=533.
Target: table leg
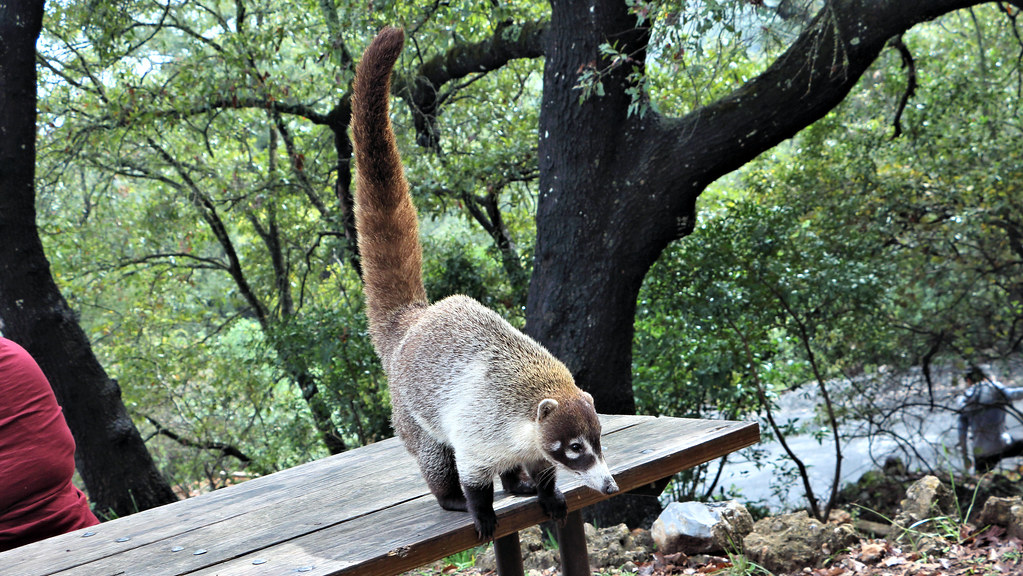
x=575, y=561
x=508, y=555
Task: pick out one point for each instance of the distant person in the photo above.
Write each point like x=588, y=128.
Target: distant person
x=982, y=411
x=37, y=456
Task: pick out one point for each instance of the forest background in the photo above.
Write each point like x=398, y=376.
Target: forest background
x=179, y=253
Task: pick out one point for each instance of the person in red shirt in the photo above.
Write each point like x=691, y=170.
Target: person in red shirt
x=37, y=456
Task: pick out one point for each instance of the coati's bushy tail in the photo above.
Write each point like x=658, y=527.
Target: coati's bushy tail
x=384, y=214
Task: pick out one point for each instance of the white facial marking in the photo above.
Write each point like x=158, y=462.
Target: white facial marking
x=599, y=478
x=577, y=447
x=554, y=446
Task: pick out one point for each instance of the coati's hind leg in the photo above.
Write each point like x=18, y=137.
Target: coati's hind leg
x=480, y=500
x=518, y=481
x=438, y=467
x=436, y=462
x=478, y=486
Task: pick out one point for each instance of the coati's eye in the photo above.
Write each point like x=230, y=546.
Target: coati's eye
x=575, y=447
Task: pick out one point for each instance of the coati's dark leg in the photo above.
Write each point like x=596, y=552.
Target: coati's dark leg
x=518, y=481
x=481, y=507
x=441, y=475
x=436, y=462
x=551, y=499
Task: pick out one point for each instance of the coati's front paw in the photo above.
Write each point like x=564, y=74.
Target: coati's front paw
x=554, y=505
x=486, y=524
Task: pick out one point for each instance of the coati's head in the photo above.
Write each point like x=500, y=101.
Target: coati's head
x=570, y=433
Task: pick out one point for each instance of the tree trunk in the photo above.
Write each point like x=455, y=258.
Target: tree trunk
x=590, y=254
x=113, y=460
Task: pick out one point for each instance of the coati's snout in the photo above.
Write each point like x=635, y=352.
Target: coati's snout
x=571, y=438
x=599, y=477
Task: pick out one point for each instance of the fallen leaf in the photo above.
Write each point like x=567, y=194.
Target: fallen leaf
x=715, y=566
x=856, y=565
x=894, y=561
x=872, y=552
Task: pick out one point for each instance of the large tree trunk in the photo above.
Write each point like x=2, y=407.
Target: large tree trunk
x=118, y=471
x=616, y=189
x=582, y=295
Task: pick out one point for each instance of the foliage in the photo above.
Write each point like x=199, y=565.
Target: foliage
x=464, y=559
x=699, y=52
x=848, y=250
x=767, y=298
x=190, y=164
x=188, y=180
x=938, y=204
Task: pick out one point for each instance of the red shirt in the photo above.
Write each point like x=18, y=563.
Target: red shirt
x=37, y=456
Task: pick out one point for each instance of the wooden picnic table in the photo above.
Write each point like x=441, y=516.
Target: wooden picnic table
x=365, y=512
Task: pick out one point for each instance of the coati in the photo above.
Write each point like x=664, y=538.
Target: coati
x=472, y=397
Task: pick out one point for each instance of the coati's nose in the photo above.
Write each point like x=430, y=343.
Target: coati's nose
x=599, y=478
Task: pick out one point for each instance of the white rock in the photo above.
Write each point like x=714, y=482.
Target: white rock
x=699, y=528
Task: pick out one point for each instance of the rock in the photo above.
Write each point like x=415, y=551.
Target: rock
x=872, y=552
x=878, y=492
x=875, y=529
x=616, y=545
x=641, y=539
x=1004, y=512
x=927, y=498
x=701, y=528
x=793, y=541
x=837, y=516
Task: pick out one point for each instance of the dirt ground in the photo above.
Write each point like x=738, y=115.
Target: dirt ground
x=988, y=552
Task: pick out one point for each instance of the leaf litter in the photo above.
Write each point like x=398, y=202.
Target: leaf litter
x=986, y=552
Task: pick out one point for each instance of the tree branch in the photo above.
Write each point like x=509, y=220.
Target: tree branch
x=422, y=91
x=208, y=211
x=223, y=448
x=200, y=263
x=298, y=163
x=909, y=64
x=779, y=434
x=801, y=86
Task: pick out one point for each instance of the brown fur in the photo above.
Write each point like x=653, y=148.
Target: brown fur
x=472, y=397
x=385, y=217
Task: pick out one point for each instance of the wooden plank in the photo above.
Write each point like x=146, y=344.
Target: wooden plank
x=184, y=523
x=334, y=514
x=641, y=456
x=379, y=478
x=416, y=533
x=163, y=540
x=255, y=529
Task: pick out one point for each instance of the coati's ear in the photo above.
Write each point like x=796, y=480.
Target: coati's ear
x=588, y=398
x=546, y=407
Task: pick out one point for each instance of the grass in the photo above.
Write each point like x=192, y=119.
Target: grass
x=549, y=541
x=741, y=565
x=466, y=558
x=944, y=527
